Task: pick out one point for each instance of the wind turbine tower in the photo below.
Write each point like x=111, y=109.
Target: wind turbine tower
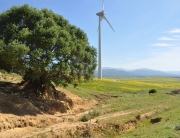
x=101, y=15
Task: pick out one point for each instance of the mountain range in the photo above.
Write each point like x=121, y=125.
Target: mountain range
x=143, y=72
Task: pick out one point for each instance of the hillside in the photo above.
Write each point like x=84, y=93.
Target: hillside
x=100, y=108
x=122, y=73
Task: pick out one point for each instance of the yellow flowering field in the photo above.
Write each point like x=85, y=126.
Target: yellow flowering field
x=132, y=85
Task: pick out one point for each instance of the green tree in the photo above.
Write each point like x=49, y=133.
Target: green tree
x=45, y=48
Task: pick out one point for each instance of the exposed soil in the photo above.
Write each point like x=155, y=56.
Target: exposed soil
x=1, y=76
x=21, y=114
x=88, y=129
x=103, y=97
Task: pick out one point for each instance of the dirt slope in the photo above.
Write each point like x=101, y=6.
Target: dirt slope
x=20, y=115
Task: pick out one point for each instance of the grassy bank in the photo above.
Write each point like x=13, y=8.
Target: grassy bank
x=133, y=94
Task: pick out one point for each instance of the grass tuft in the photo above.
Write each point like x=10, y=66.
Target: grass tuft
x=90, y=115
x=177, y=128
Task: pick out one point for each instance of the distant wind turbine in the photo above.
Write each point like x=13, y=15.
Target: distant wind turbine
x=101, y=15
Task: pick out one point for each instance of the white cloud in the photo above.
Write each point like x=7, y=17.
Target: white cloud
x=175, y=31
x=161, y=45
x=176, y=36
x=165, y=61
x=166, y=38
x=160, y=60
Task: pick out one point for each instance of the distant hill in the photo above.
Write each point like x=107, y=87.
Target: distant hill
x=123, y=73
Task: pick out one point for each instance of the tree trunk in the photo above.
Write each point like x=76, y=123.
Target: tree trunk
x=39, y=88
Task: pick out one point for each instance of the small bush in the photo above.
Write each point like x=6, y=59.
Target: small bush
x=86, y=117
x=90, y=115
x=177, y=128
x=75, y=85
x=152, y=91
x=3, y=71
x=94, y=113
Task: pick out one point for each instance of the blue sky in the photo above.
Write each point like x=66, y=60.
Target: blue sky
x=147, y=32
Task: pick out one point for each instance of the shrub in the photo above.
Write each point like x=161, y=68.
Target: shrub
x=75, y=85
x=152, y=91
x=3, y=71
x=177, y=128
x=89, y=116
x=85, y=118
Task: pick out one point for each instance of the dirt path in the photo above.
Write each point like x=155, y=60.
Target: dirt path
x=64, y=127
x=58, y=128
x=69, y=124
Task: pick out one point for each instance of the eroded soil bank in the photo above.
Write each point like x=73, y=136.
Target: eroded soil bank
x=20, y=115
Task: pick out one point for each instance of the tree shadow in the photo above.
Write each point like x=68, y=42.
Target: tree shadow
x=6, y=87
x=14, y=101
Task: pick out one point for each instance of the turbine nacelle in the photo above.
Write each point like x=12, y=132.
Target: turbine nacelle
x=101, y=14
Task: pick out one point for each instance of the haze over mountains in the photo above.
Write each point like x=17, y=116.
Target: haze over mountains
x=144, y=72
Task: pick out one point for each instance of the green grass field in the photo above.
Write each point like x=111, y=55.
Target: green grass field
x=134, y=95
x=131, y=85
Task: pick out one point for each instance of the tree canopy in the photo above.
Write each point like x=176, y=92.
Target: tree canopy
x=44, y=47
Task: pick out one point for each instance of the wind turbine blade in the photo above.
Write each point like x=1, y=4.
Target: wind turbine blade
x=108, y=22
x=103, y=6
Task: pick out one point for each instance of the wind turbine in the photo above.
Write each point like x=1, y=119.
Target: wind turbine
x=101, y=15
